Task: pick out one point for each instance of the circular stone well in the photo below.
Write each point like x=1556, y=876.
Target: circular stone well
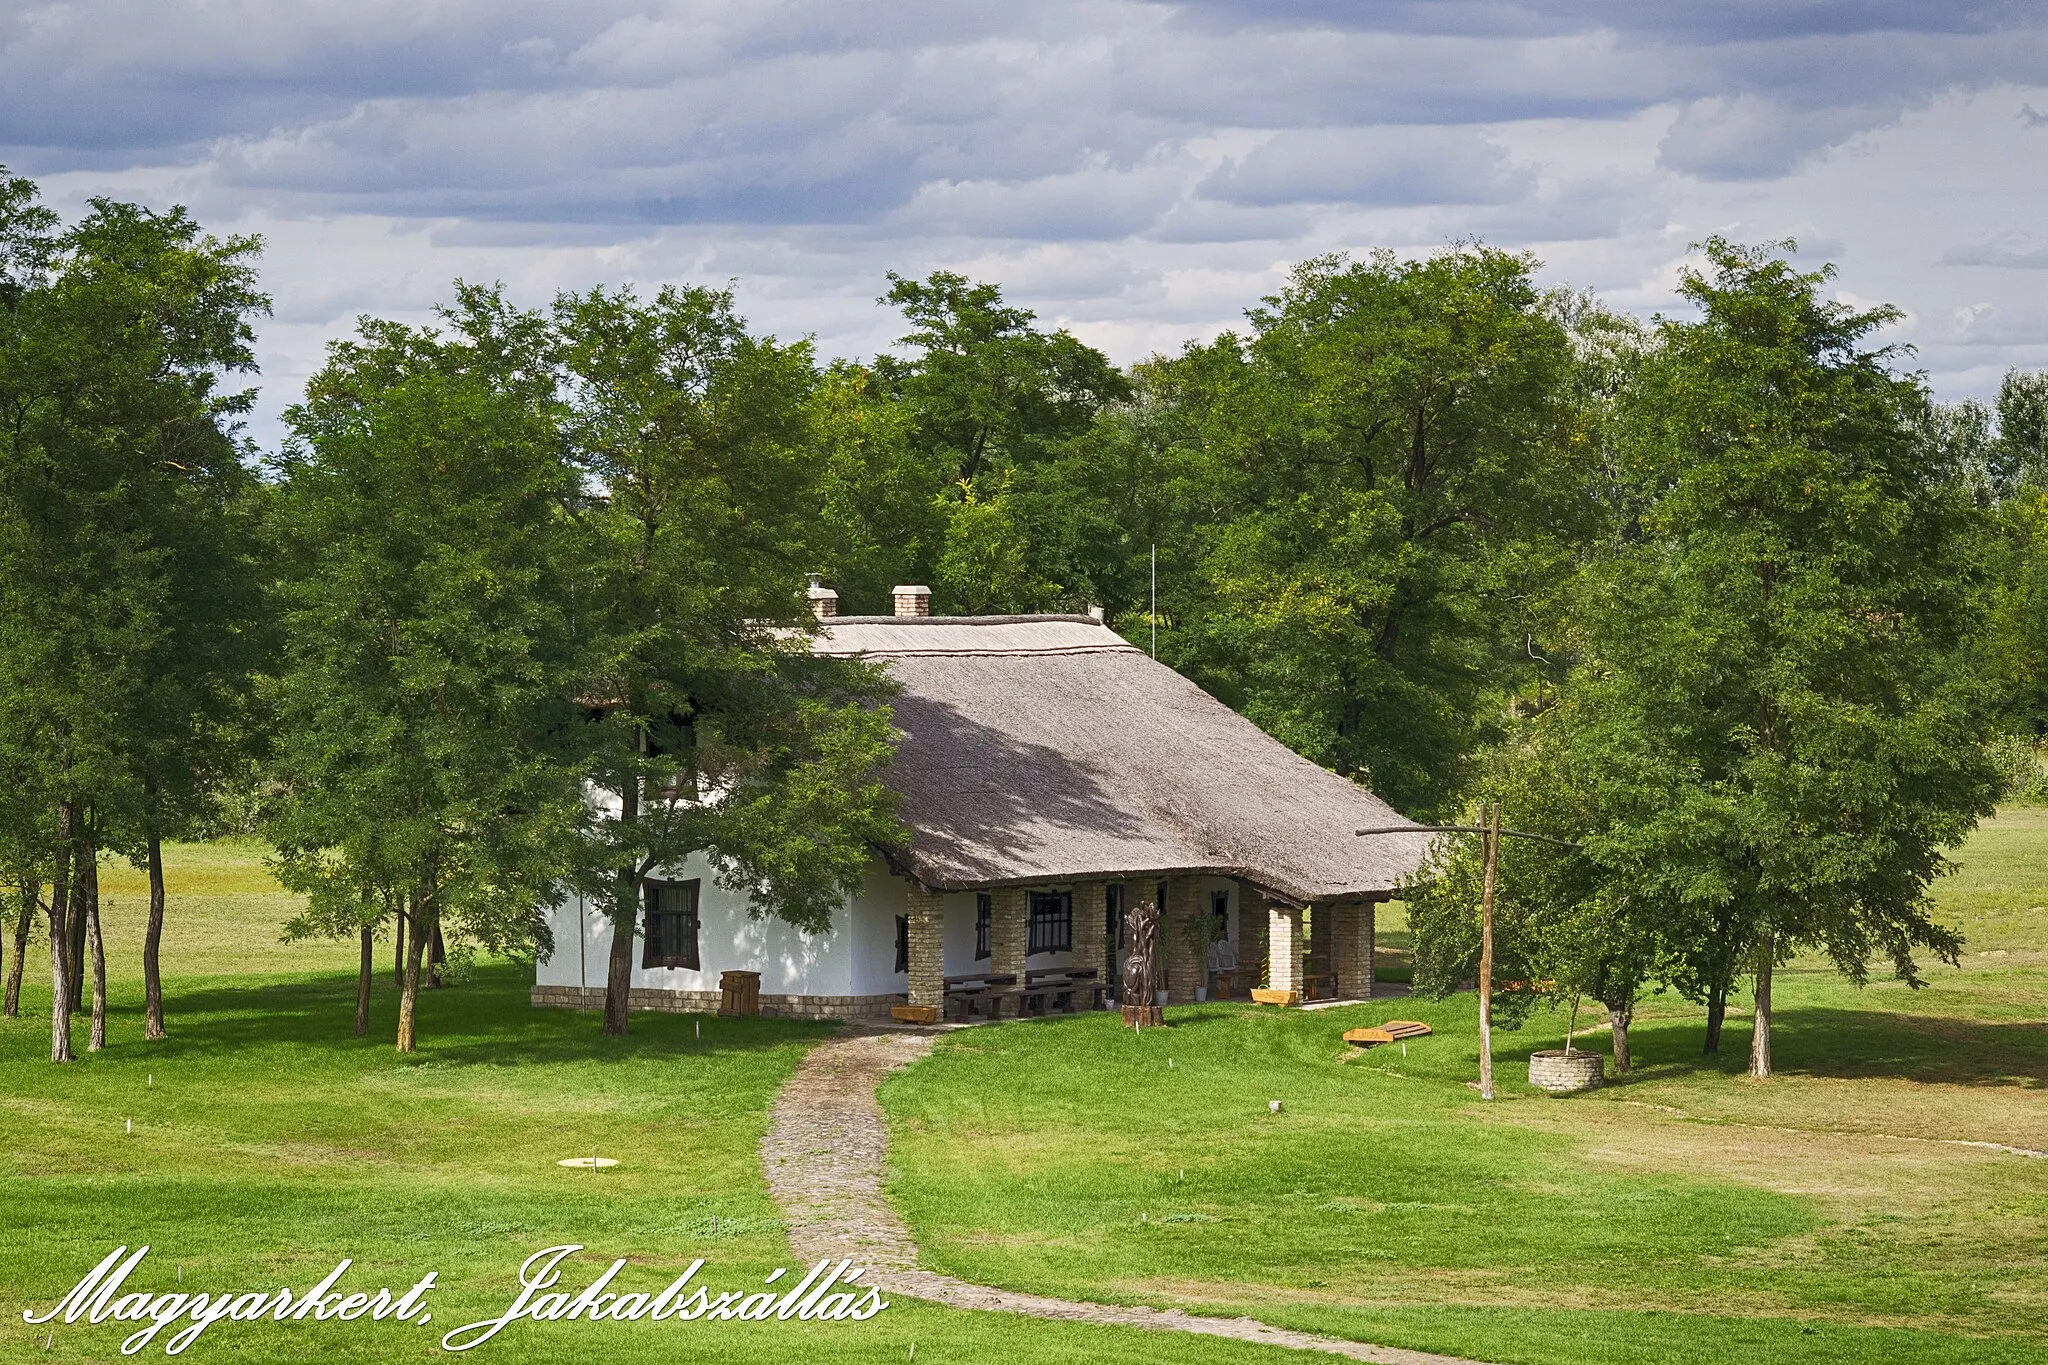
x=1561, y=1075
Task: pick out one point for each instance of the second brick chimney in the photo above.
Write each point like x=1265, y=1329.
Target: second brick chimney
x=824, y=601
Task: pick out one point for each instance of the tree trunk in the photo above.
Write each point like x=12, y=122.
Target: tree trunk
x=618, y=977
x=1717, y=1010
x=152, y=946
x=1760, y=1035
x=1620, y=1017
x=75, y=954
x=436, y=955
x=96, y=1040
x=363, y=988
x=31, y=897
x=424, y=915
x=60, y=941
x=398, y=947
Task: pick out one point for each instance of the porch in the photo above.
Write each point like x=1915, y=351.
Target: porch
x=1018, y=951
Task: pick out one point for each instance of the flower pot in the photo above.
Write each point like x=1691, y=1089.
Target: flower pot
x=1551, y=1070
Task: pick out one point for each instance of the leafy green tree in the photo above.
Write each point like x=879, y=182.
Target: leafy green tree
x=1395, y=466
x=425, y=717
x=117, y=334
x=883, y=508
x=712, y=727
x=1780, y=647
x=992, y=403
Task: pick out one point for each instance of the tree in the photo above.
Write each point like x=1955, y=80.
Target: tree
x=711, y=727
x=117, y=334
x=1780, y=645
x=425, y=720
x=1573, y=916
x=1394, y=467
x=992, y=404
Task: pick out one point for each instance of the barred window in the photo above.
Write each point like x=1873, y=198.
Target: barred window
x=671, y=925
x=984, y=927
x=1052, y=922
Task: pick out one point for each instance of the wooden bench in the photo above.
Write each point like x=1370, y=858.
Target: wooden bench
x=1393, y=1031
x=986, y=989
x=1061, y=987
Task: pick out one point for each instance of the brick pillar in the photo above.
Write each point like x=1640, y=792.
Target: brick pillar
x=1090, y=910
x=1371, y=911
x=1187, y=939
x=1251, y=929
x=1353, y=923
x=1009, y=924
x=1284, y=949
x=927, y=948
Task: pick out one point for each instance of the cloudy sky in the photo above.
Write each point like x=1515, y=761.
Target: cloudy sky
x=1138, y=172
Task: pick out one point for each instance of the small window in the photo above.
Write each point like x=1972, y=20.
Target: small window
x=984, y=927
x=671, y=925
x=902, y=943
x=1052, y=922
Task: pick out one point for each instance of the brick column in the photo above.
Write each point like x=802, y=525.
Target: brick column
x=1284, y=950
x=1090, y=909
x=1353, y=923
x=927, y=948
x=1187, y=940
x=1009, y=925
x=1251, y=929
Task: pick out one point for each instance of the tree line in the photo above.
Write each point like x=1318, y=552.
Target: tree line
x=1728, y=601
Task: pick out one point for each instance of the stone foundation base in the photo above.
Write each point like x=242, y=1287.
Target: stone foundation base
x=706, y=1002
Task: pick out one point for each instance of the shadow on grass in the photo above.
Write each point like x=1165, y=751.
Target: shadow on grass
x=1847, y=1044
x=488, y=1021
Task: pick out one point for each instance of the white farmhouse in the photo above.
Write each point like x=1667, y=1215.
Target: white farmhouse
x=1050, y=773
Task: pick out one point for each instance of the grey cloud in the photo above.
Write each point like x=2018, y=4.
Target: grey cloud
x=2009, y=251
x=1377, y=166
x=1744, y=137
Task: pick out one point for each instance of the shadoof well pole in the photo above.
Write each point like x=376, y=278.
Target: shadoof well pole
x=1490, y=813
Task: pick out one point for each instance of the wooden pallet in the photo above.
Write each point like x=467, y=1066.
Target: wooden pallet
x=1393, y=1031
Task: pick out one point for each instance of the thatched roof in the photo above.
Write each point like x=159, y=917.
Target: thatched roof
x=1045, y=749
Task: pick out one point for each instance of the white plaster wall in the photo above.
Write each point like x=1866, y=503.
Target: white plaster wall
x=856, y=957
x=790, y=962
x=871, y=932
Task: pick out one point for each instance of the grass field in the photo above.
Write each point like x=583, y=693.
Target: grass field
x=268, y=1143
x=1831, y=1213
x=1690, y=1215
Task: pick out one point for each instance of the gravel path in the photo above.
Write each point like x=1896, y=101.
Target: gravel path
x=823, y=1156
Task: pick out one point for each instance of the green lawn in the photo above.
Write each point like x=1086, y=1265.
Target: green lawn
x=1691, y=1215
x=268, y=1143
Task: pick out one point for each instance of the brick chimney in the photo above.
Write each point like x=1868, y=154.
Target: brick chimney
x=912, y=599
x=824, y=601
